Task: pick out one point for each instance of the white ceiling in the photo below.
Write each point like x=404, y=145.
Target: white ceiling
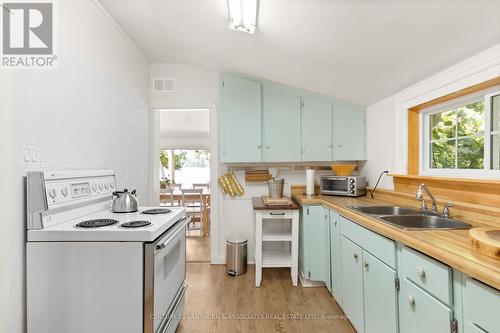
x=358, y=50
x=184, y=123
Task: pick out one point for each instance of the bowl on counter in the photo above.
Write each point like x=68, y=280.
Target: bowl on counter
x=343, y=169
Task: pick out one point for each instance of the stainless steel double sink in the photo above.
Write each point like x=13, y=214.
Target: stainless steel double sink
x=409, y=218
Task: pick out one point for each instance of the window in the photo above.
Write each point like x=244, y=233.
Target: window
x=462, y=138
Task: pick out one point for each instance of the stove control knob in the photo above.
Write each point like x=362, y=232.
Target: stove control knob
x=351, y=186
x=64, y=191
x=52, y=193
x=111, y=185
x=351, y=191
x=100, y=186
x=351, y=181
x=106, y=186
x=94, y=187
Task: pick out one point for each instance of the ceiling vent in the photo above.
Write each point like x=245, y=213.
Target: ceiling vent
x=166, y=85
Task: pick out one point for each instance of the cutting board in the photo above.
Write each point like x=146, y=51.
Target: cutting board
x=486, y=241
x=276, y=202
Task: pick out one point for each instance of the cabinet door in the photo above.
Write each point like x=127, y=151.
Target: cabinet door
x=348, y=132
x=352, y=283
x=316, y=130
x=481, y=307
x=241, y=120
x=381, y=305
x=335, y=257
x=326, y=240
x=423, y=313
x=281, y=137
x=316, y=246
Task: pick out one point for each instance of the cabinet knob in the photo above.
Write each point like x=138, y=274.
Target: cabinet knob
x=259, y=147
x=365, y=265
x=355, y=256
x=420, y=272
x=268, y=146
x=410, y=300
x=335, y=222
x=339, y=146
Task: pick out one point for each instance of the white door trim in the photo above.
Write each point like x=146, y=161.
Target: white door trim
x=216, y=227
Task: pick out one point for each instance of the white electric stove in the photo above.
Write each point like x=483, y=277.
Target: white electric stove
x=92, y=270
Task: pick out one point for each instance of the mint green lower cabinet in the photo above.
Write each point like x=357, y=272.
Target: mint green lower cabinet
x=326, y=240
x=335, y=257
x=423, y=313
x=481, y=307
x=352, y=283
x=314, y=246
x=380, y=296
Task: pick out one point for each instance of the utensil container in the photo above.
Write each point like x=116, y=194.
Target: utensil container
x=276, y=186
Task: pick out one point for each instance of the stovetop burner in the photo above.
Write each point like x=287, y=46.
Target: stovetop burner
x=157, y=211
x=97, y=223
x=135, y=224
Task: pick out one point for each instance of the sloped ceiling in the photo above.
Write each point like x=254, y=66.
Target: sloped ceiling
x=357, y=50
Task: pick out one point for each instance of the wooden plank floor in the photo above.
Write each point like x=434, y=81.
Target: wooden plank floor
x=197, y=247
x=216, y=302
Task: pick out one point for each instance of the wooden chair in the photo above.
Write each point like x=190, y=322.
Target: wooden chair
x=167, y=196
x=206, y=223
x=192, y=199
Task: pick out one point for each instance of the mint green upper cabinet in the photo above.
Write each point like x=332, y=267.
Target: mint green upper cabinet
x=380, y=295
x=281, y=125
x=352, y=283
x=316, y=129
x=335, y=257
x=348, y=131
x=241, y=120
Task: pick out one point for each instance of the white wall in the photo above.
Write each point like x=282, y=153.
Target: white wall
x=91, y=112
x=479, y=68
x=4, y=236
x=380, y=145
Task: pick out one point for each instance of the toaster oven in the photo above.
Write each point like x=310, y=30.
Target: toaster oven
x=351, y=186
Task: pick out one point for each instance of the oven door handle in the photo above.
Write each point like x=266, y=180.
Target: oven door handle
x=184, y=221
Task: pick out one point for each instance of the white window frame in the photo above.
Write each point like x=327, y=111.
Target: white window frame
x=425, y=140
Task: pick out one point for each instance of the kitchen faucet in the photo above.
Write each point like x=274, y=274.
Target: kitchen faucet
x=420, y=197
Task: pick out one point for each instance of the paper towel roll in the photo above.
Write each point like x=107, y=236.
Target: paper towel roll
x=310, y=182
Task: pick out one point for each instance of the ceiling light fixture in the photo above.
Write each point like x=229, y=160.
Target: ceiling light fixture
x=242, y=15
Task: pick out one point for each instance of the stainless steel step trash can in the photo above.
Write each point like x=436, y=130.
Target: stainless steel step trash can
x=236, y=255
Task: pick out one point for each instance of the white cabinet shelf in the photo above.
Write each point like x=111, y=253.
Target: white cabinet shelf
x=276, y=258
x=276, y=233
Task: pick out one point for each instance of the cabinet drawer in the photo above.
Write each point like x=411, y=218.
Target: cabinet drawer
x=482, y=306
x=430, y=274
x=277, y=214
x=423, y=313
x=379, y=246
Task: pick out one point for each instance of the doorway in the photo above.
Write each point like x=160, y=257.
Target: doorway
x=185, y=175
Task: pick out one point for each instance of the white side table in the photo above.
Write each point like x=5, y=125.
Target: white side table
x=276, y=238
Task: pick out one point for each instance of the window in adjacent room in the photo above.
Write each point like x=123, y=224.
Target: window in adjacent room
x=462, y=138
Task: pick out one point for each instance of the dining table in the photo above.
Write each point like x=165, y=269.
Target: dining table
x=205, y=196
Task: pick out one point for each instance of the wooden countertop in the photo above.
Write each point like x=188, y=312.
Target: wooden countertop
x=258, y=204
x=449, y=246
